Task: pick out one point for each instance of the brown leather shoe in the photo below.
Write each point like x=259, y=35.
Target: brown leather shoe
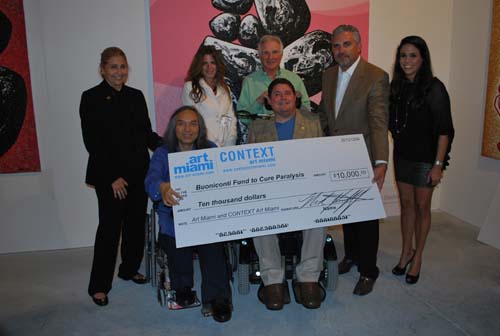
x=345, y=265
x=273, y=296
x=310, y=294
x=364, y=285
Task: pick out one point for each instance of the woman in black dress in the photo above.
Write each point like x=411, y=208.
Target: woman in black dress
x=422, y=129
x=117, y=134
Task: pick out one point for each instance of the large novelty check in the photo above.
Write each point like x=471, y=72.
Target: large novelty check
x=259, y=189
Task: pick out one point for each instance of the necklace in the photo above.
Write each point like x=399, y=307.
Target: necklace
x=402, y=108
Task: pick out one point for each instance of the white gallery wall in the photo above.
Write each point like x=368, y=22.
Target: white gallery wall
x=54, y=209
x=472, y=189
x=390, y=21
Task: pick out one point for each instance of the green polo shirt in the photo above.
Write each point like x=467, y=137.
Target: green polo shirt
x=258, y=82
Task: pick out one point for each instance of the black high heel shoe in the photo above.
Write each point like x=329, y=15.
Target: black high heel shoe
x=138, y=278
x=100, y=301
x=402, y=270
x=412, y=279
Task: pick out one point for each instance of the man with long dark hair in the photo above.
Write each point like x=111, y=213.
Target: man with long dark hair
x=186, y=131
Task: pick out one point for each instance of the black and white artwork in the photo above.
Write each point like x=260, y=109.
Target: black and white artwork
x=306, y=54
x=13, y=95
x=179, y=27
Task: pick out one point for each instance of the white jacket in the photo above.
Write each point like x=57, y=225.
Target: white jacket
x=217, y=111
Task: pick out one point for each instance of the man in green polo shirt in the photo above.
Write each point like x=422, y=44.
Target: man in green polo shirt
x=254, y=89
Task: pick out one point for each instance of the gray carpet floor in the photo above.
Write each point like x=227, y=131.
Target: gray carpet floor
x=44, y=293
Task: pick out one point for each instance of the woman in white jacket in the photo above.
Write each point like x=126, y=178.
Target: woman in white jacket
x=208, y=92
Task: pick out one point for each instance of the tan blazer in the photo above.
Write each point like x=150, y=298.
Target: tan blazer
x=306, y=126
x=364, y=109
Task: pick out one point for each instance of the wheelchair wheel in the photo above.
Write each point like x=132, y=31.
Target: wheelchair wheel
x=243, y=279
x=161, y=296
x=232, y=256
x=331, y=275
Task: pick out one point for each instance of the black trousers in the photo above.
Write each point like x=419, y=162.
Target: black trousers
x=361, y=245
x=118, y=217
x=214, y=272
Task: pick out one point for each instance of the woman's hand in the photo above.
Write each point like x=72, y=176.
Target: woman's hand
x=435, y=175
x=379, y=175
x=169, y=196
x=119, y=188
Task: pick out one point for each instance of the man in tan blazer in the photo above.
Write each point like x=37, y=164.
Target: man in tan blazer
x=355, y=100
x=288, y=123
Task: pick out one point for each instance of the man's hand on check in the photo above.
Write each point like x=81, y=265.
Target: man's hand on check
x=169, y=196
x=379, y=175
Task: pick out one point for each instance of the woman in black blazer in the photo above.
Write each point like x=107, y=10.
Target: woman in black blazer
x=117, y=134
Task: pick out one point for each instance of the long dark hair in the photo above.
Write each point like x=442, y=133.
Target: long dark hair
x=424, y=75
x=194, y=73
x=170, y=138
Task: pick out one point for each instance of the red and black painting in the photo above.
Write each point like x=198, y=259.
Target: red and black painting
x=18, y=141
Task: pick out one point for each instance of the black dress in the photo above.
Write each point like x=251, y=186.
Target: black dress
x=416, y=121
x=117, y=134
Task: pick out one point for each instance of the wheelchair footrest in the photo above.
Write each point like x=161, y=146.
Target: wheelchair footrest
x=173, y=305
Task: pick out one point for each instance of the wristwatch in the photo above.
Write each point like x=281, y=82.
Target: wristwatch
x=438, y=163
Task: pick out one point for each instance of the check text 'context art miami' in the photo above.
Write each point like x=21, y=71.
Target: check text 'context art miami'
x=179, y=27
x=18, y=142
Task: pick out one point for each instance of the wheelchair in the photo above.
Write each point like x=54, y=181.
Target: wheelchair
x=244, y=119
x=290, y=247
x=156, y=266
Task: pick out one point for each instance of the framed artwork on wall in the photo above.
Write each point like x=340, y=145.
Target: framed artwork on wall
x=179, y=27
x=18, y=140
x=491, y=128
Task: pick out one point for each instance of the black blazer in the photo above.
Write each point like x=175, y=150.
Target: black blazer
x=117, y=134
